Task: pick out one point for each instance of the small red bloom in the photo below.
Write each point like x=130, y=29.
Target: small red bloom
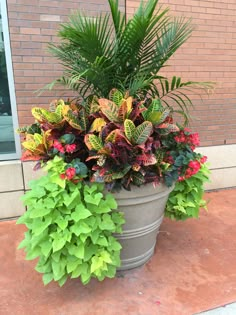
x=191, y=139
x=194, y=165
x=57, y=145
x=189, y=172
x=187, y=130
x=194, y=139
x=63, y=176
x=203, y=159
x=70, y=148
x=180, y=138
x=70, y=173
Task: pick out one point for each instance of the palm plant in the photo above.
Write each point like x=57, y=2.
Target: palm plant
x=106, y=52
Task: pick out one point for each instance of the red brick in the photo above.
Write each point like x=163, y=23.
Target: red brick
x=16, y=59
x=41, y=38
x=29, y=30
x=19, y=37
x=51, y=18
x=31, y=45
x=23, y=66
x=28, y=16
x=32, y=73
x=32, y=59
x=47, y=31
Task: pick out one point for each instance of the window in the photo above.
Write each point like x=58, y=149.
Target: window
x=9, y=140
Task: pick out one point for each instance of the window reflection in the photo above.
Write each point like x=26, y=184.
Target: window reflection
x=7, y=144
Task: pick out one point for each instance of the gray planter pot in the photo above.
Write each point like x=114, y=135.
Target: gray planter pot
x=143, y=208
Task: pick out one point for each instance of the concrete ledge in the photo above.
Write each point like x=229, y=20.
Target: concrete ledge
x=222, y=161
x=222, y=156
x=29, y=173
x=11, y=205
x=222, y=178
x=11, y=176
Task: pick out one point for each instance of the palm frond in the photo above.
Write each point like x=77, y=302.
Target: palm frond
x=174, y=35
x=90, y=37
x=117, y=16
x=173, y=93
x=102, y=53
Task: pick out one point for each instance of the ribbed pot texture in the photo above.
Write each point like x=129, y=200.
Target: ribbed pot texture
x=143, y=208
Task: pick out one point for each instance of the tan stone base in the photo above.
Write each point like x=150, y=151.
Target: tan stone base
x=14, y=177
x=222, y=161
x=11, y=205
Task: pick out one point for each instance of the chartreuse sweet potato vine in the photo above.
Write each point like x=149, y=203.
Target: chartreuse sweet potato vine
x=70, y=226
x=186, y=199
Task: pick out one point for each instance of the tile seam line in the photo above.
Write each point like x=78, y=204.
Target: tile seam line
x=9, y=191
x=222, y=168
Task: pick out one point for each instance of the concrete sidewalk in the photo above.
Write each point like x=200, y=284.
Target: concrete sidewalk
x=193, y=270
x=229, y=309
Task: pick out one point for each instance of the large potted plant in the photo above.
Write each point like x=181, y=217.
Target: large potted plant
x=114, y=145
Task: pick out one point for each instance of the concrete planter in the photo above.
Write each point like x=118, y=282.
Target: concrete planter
x=143, y=208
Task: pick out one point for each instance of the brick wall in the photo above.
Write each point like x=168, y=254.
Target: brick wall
x=210, y=55
x=33, y=24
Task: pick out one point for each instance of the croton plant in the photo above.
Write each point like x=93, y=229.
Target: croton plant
x=120, y=140
x=116, y=143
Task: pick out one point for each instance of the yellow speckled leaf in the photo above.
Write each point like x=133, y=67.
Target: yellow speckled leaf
x=98, y=124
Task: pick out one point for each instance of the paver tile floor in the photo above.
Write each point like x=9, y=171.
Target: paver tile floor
x=193, y=270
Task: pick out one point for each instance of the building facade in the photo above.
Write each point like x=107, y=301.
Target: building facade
x=26, y=28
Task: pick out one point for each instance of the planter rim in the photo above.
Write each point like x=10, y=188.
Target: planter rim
x=146, y=190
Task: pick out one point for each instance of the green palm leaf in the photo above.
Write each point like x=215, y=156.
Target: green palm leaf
x=102, y=53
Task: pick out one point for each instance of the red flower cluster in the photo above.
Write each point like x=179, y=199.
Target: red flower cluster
x=69, y=174
x=69, y=148
x=57, y=145
x=193, y=168
x=188, y=138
